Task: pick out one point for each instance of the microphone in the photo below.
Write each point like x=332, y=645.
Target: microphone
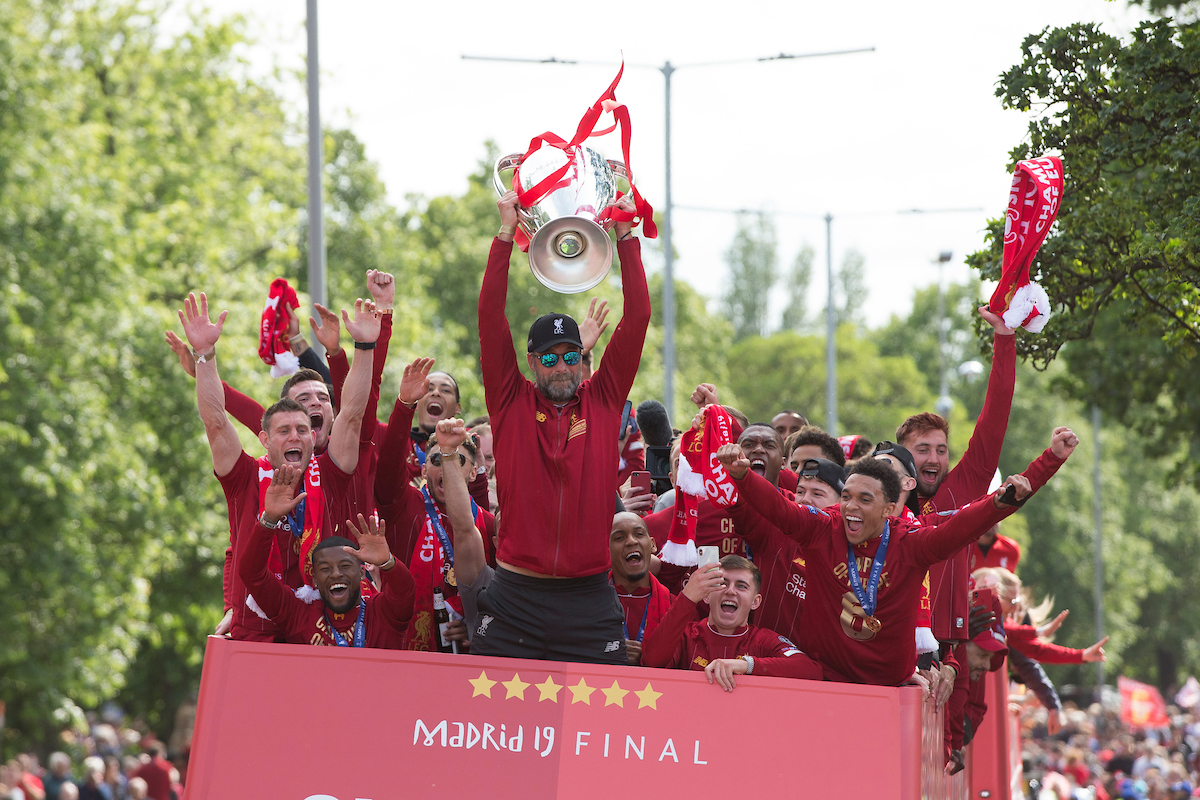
x=654, y=423
x=657, y=435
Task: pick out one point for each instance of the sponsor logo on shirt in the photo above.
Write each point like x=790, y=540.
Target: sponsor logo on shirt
x=701, y=660
x=540, y=416
x=612, y=647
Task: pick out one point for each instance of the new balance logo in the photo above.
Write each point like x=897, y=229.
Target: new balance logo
x=612, y=647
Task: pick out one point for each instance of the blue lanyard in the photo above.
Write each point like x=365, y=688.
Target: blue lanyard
x=435, y=520
x=360, y=627
x=296, y=519
x=867, y=599
x=645, y=615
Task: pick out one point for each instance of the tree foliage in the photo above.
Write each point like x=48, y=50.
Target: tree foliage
x=753, y=269
x=1122, y=264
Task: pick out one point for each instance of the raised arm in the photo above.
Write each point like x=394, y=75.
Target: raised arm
x=979, y=462
x=800, y=523
x=973, y=520
x=470, y=556
x=202, y=334
x=391, y=472
x=344, y=439
x=623, y=355
x=497, y=359
x=382, y=287
x=395, y=603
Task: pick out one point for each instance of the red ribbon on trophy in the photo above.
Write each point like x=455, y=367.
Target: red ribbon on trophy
x=1033, y=204
x=607, y=102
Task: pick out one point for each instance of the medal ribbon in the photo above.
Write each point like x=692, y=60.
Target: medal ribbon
x=360, y=627
x=645, y=616
x=435, y=522
x=868, y=598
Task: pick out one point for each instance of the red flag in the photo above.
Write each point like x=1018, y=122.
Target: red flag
x=1141, y=705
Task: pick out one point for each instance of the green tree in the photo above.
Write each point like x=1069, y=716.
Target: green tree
x=753, y=263
x=787, y=370
x=795, y=315
x=1122, y=264
x=852, y=287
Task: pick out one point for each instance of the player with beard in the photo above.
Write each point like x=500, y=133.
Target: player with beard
x=784, y=584
x=724, y=645
x=860, y=620
x=288, y=437
x=715, y=526
x=940, y=488
x=343, y=618
x=555, y=442
x=644, y=600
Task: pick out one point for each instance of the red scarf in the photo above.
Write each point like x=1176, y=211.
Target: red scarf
x=586, y=130
x=314, y=516
x=274, y=345
x=699, y=475
x=1032, y=207
x=426, y=566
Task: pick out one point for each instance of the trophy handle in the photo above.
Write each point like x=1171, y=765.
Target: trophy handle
x=619, y=169
x=505, y=162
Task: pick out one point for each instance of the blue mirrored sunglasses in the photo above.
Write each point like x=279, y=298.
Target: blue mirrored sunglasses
x=571, y=359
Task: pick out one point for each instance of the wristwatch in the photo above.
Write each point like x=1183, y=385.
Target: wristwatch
x=204, y=358
x=749, y=664
x=273, y=526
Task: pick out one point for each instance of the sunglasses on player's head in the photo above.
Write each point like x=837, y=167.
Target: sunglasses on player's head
x=436, y=459
x=571, y=359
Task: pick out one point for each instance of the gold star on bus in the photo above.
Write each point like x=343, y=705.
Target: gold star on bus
x=615, y=695
x=483, y=685
x=516, y=687
x=582, y=693
x=549, y=689
x=648, y=698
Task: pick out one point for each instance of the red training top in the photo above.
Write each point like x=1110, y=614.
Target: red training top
x=948, y=581
x=834, y=619
x=1004, y=552
x=157, y=775
x=682, y=641
x=555, y=467
x=240, y=485
x=385, y=619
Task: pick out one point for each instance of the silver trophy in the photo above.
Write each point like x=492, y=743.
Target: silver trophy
x=569, y=248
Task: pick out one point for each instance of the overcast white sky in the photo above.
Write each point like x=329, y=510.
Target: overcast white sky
x=914, y=124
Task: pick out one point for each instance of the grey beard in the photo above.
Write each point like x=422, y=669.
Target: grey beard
x=558, y=391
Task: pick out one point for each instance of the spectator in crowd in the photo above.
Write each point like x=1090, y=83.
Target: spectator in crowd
x=343, y=617
x=59, y=773
x=555, y=438
x=139, y=789
x=724, y=645
x=643, y=599
x=156, y=772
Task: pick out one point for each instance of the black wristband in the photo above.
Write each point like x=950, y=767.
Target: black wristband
x=364, y=345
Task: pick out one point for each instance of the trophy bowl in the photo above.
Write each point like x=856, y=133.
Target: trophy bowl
x=569, y=248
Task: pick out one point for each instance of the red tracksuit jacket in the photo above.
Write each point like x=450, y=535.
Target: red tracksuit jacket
x=556, y=474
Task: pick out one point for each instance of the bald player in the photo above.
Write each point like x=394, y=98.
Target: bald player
x=644, y=600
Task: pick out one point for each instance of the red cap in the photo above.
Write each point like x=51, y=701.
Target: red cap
x=991, y=639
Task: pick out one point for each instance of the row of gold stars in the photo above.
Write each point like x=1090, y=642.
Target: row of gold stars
x=548, y=690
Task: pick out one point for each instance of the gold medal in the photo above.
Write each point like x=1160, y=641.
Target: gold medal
x=872, y=624
x=451, y=581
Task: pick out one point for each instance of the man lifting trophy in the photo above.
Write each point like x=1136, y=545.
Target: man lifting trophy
x=555, y=439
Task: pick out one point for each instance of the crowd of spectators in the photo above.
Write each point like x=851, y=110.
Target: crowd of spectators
x=100, y=761
x=1096, y=756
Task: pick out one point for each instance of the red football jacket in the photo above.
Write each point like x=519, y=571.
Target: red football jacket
x=555, y=467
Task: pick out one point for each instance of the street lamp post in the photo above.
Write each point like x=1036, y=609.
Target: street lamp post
x=316, y=163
